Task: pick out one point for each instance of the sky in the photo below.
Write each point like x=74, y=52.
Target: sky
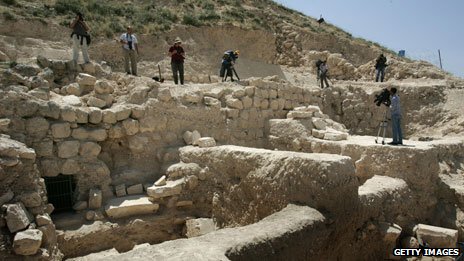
x=420, y=27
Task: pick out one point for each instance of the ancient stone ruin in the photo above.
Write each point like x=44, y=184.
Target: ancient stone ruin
x=102, y=166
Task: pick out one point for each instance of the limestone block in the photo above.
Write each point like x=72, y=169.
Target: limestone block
x=299, y=114
x=89, y=149
x=182, y=169
x=17, y=217
x=274, y=104
x=49, y=237
x=436, y=237
x=137, y=112
x=239, y=93
x=335, y=135
x=272, y=94
x=27, y=242
x=109, y=116
x=68, y=149
x=116, y=132
x=88, y=68
x=199, y=226
x=164, y=95
x=80, y=134
x=215, y=93
x=161, y=181
x=72, y=100
x=234, y=103
x=135, y=189
x=97, y=135
x=70, y=167
x=95, y=102
x=195, y=137
x=206, y=142
x=103, y=87
x=86, y=79
x=120, y=190
x=191, y=97
x=95, y=198
x=95, y=115
x=318, y=133
x=31, y=199
x=232, y=113
x=80, y=205
x=188, y=137
x=73, y=89
x=44, y=148
x=250, y=91
x=390, y=233
x=264, y=104
x=131, y=126
x=68, y=114
x=61, y=130
x=43, y=220
x=37, y=127
x=247, y=102
x=171, y=188
x=130, y=206
x=82, y=116
x=149, y=124
x=122, y=112
x=319, y=123
x=213, y=102
x=50, y=168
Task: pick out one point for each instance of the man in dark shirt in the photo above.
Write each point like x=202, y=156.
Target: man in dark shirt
x=227, y=64
x=80, y=37
x=380, y=65
x=177, y=61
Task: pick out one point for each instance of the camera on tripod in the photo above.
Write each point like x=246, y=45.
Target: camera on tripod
x=383, y=98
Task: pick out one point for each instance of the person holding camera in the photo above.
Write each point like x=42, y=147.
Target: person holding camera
x=80, y=37
x=177, y=61
x=130, y=49
x=395, y=110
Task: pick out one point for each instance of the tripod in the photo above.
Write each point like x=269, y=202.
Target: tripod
x=383, y=126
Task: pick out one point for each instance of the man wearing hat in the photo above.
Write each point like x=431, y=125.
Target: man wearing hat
x=130, y=49
x=177, y=61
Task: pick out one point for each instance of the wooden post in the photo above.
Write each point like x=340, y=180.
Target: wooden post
x=439, y=57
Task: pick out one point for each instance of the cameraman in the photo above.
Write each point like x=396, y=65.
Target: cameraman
x=395, y=110
x=80, y=37
x=130, y=49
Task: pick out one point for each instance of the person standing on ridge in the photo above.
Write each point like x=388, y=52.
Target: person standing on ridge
x=177, y=61
x=227, y=64
x=380, y=65
x=395, y=110
x=80, y=37
x=130, y=49
x=323, y=70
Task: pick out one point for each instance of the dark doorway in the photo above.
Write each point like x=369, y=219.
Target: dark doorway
x=60, y=190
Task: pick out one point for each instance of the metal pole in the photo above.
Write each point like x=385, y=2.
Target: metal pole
x=439, y=57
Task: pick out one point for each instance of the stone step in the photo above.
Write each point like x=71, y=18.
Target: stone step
x=454, y=184
x=170, y=189
x=379, y=190
x=130, y=206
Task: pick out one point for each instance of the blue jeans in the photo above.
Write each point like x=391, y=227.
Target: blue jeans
x=380, y=74
x=396, y=129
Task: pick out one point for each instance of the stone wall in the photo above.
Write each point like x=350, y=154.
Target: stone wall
x=26, y=228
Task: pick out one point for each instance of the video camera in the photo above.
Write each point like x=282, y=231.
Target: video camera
x=383, y=98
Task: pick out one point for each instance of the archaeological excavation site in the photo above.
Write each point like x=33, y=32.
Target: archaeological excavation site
x=96, y=164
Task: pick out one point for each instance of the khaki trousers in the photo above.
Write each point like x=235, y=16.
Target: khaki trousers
x=130, y=55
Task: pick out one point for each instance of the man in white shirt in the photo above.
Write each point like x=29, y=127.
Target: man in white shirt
x=130, y=48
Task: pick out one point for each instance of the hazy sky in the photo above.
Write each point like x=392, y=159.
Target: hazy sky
x=420, y=27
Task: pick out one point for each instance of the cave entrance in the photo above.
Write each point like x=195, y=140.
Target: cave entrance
x=60, y=190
